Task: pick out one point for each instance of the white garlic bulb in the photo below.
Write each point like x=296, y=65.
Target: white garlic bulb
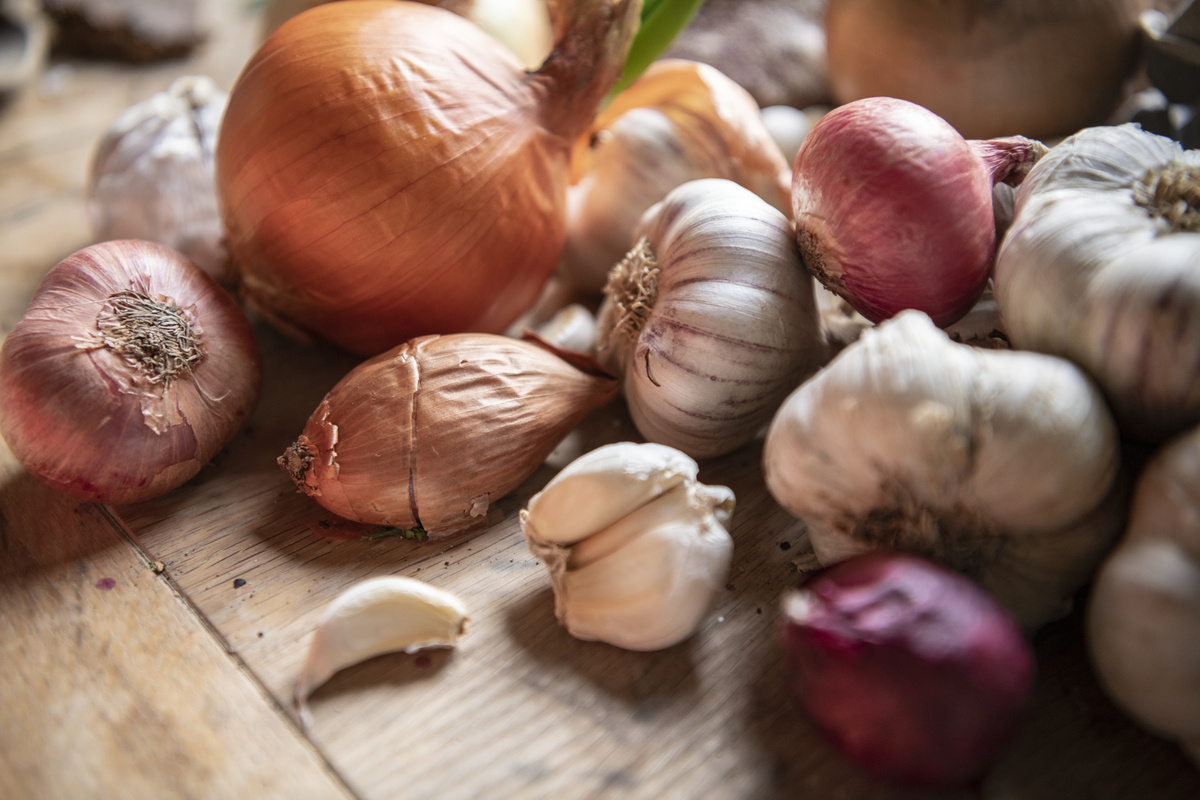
x=710, y=320
x=636, y=547
x=680, y=121
x=1099, y=266
x=380, y=615
x=1001, y=464
x=1143, y=619
x=151, y=177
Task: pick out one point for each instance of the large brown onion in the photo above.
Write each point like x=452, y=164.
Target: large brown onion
x=388, y=170
x=130, y=369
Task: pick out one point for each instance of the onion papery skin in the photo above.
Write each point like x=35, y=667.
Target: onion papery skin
x=893, y=210
x=86, y=420
x=387, y=170
x=1039, y=68
x=909, y=668
x=680, y=121
x=430, y=433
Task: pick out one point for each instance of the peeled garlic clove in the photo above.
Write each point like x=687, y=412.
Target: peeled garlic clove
x=376, y=616
x=429, y=434
x=1001, y=464
x=711, y=318
x=680, y=121
x=572, y=327
x=602, y=486
x=650, y=578
x=151, y=177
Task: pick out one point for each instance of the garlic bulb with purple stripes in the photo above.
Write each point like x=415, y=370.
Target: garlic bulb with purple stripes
x=710, y=319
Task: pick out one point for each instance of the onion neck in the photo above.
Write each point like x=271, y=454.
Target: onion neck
x=1008, y=160
x=591, y=42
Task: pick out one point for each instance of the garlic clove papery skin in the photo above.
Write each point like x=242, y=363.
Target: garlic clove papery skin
x=1098, y=266
x=650, y=578
x=1143, y=616
x=431, y=433
x=711, y=319
x=1001, y=464
x=679, y=121
x=602, y=486
x=387, y=614
x=151, y=176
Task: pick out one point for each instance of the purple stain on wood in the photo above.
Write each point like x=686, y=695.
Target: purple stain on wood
x=106, y=583
x=423, y=661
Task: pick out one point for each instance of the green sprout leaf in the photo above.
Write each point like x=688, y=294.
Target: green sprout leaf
x=661, y=22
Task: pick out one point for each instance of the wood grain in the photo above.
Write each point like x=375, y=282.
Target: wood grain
x=113, y=685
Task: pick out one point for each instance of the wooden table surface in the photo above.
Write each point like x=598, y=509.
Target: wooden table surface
x=151, y=650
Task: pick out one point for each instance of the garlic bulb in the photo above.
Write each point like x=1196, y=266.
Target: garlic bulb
x=636, y=547
x=426, y=436
x=679, y=121
x=1099, y=266
x=1143, y=622
x=151, y=176
x=711, y=318
x=379, y=615
x=1001, y=464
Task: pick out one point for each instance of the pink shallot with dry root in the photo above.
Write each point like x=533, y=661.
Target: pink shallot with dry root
x=893, y=207
x=907, y=667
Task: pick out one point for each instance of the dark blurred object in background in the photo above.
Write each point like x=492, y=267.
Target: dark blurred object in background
x=774, y=48
x=133, y=31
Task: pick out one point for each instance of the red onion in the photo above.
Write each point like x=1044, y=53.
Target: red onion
x=129, y=370
x=909, y=668
x=893, y=207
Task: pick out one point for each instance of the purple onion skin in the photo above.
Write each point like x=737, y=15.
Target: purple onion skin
x=908, y=668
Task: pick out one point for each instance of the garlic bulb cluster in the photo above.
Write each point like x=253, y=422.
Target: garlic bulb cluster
x=1099, y=266
x=711, y=318
x=1143, y=619
x=1001, y=464
x=387, y=614
x=151, y=176
x=636, y=547
x=679, y=121
x=426, y=436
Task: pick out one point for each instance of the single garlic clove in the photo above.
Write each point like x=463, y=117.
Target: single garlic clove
x=572, y=327
x=376, y=616
x=602, y=486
